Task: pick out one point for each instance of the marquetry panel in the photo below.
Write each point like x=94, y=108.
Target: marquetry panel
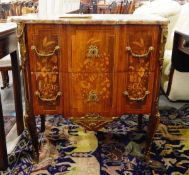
x=135, y=92
x=138, y=48
x=47, y=92
x=45, y=47
x=92, y=50
x=91, y=92
x=92, y=74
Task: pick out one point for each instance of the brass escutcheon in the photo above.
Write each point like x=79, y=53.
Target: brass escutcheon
x=92, y=97
x=93, y=52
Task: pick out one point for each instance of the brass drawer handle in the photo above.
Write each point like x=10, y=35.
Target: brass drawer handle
x=150, y=49
x=136, y=99
x=37, y=93
x=45, y=54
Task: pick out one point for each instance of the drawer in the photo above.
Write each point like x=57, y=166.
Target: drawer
x=92, y=50
x=135, y=92
x=45, y=47
x=47, y=92
x=91, y=92
x=138, y=48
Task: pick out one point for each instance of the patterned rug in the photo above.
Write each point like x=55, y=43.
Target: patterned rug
x=67, y=149
x=9, y=122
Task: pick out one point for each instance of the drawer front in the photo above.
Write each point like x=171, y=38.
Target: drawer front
x=45, y=47
x=135, y=92
x=138, y=48
x=92, y=50
x=47, y=92
x=91, y=92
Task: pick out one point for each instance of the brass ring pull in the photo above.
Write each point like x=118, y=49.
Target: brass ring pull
x=45, y=54
x=151, y=48
x=37, y=93
x=136, y=99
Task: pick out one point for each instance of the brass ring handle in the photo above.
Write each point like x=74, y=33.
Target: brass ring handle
x=136, y=99
x=37, y=93
x=45, y=54
x=150, y=49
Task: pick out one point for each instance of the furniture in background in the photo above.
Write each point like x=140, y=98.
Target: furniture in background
x=7, y=9
x=174, y=82
x=116, y=7
x=106, y=7
x=5, y=66
x=176, y=78
x=17, y=8
x=92, y=70
x=8, y=45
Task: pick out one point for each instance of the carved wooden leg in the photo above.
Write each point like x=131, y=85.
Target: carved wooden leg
x=5, y=78
x=140, y=121
x=152, y=127
x=31, y=125
x=3, y=149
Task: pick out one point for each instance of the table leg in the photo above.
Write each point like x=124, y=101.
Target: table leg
x=152, y=127
x=3, y=149
x=17, y=91
x=5, y=78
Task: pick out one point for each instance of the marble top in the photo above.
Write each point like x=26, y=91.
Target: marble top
x=105, y=19
x=7, y=26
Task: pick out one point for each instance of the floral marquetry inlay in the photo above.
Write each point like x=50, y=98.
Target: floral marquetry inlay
x=138, y=82
x=138, y=75
x=95, y=83
x=47, y=58
x=93, y=86
x=48, y=88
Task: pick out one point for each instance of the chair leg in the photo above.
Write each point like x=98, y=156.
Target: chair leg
x=5, y=78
